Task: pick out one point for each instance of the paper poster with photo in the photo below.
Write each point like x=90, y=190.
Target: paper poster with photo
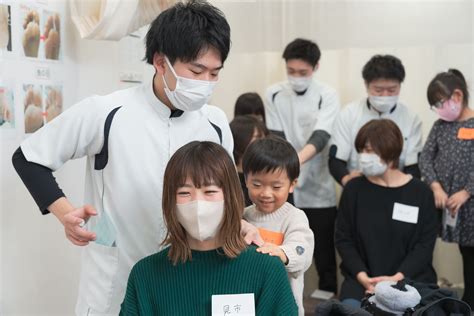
x=7, y=107
x=5, y=28
x=33, y=107
x=53, y=102
x=51, y=35
x=30, y=35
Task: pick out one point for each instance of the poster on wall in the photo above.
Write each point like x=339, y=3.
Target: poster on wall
x=7, y=108
x=53, y=104
x=5, y=28
x=33, y=107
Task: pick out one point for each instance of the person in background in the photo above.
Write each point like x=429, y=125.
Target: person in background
x=250, y=103
x=206, y=255
x=386, y=225
x=271, y=167
x=383, y=76
x=128, y=137
x=302, y=110
x=447, y=166
x=245, y=129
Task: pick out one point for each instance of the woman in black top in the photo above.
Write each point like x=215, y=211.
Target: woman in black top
x=386, y=225
x=447, y=165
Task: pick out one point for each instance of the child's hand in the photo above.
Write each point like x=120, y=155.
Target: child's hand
x=273, y=250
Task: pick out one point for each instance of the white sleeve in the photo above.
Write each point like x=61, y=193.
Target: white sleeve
x=298, y=244
x=75, y=133
x=341, y=136
x=330, y=107
x=272, y=119
x=227, y=139
x=414, y=142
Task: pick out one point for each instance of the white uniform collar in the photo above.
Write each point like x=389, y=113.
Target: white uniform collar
x=157, y=105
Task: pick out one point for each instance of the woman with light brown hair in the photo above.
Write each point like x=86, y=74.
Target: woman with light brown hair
x=207, y=256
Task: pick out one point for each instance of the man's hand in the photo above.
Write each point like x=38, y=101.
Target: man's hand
x=366, y=282
x=353, y=174
x=441, y=198
x=251, y=234
x=457, y=200
x=73, y=219
x=73, y=222
x=273, y=250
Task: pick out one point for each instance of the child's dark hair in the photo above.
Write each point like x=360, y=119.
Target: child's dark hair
x=243, y=128
x=271, y=154
x=302, y=49
x=249, y=103
x=383, y=67
x=443, y=85
x=186, y=30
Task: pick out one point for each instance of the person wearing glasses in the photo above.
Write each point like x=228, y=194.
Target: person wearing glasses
x=447, y=165
x=383, y=76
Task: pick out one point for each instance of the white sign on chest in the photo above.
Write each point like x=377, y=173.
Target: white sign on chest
x=233, y=305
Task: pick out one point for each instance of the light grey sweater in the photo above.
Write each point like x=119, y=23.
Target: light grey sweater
x=298, y=242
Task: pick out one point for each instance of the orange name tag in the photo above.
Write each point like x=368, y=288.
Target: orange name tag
x=271, y=237
x=466, y=133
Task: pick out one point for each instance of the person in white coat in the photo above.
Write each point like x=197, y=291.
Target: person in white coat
x=383, y=76
x=128, y=137
x=302, y=110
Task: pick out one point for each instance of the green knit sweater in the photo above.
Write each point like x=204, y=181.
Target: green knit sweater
x=156, y=287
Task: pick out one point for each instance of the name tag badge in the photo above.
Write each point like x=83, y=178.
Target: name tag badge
x=465, y=133
x=233, y=304
x=405, y=213
x=448, y=219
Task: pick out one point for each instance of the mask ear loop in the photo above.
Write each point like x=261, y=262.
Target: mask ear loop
x=172, y=71
x=171, y=67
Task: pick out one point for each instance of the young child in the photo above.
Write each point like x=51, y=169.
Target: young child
x=206, y=256
x=271, y=168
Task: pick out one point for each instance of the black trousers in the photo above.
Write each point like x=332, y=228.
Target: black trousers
x=467, y=254
x=321, y=222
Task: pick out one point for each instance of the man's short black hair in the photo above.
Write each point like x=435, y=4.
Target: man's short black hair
x=383, y=67
x=186, y=30
x=270, y=154
x=303, y=49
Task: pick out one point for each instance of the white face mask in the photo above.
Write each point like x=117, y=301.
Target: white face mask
x=300, y=84
x=383, y=104
x=371, y=165
x=201, y=219
x=189, y=94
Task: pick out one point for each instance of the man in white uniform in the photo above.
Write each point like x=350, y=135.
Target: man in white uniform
x=383, y=75
x=303, y=110
x=128, y=137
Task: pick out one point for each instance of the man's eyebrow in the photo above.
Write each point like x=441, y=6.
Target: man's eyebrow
x=204, y=67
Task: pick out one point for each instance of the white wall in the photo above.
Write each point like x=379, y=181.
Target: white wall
x=39, y=268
